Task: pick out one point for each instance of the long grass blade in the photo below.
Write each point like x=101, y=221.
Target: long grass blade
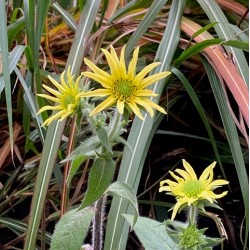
x=130, y=169
x=5, y=64
x=223, y=29
x=55, y=130
x=232, y=137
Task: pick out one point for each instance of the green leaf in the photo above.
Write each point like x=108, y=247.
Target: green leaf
x=205, y=28
x=196, y=49
x=104, y=138
x=237, y=44
x=232, y=137
x=4, y=58
x=152, y=234
x=71, y=230
x=124, y=191
x=75, y=164
x=100, y=177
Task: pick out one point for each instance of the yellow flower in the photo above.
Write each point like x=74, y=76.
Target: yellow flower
x=122, y=86
x=67, y=97
x=189, y=190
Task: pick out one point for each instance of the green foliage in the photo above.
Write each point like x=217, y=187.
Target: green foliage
x=72, y=229
x=100, y=177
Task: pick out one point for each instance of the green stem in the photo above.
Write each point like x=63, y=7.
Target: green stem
x=97, y=228
x=115, y=123
x=192, y=215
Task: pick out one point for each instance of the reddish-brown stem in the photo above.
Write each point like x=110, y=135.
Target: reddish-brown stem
x=64, y=200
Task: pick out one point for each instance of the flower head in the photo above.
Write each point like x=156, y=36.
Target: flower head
x=122, y=86
x=188, y=189
x=67, y=96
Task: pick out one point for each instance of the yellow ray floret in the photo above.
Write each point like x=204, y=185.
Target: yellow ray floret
x=123, y=87
x=67, y=97
x=188, y=189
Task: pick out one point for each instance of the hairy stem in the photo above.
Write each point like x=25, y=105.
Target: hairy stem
x=97, y=227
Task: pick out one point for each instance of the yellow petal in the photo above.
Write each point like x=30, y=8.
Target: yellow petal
x=54, y=99
x=105, y=104
x=105, y=82
x=54, y=117
x=189, y=169
x=145, y=105
x=112, y=64
x=145, y=92
x=132, y=64
x=176, y=208
x=154, y=105
x=120, y=106
x=207, y=174
x=152, y=79
x=58, y=85
x=97, y=70
x=217, y=183
x=145, y=71
x=52, y=91
x=122, y=64
x=135, y=109
x=97, y=92
x=184, y=174
x=49, y=108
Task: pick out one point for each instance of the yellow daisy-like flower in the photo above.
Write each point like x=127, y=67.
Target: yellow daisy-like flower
x=67, y=96
x=122, y=86
x=188, y=189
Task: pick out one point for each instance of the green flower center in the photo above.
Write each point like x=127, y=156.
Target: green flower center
x=124, y=89
x=190, y=237
x=193, y=188
x=69, y=99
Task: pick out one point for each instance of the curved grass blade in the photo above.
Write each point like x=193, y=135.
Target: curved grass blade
x=55, y=130
x=5, y=64
x=201, y=112
x=232, y=137
x=131, y=165
x=143, y=26
x=223, y=29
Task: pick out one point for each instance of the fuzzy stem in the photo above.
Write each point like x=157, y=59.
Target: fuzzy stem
x=192, y=217
x=97, y=227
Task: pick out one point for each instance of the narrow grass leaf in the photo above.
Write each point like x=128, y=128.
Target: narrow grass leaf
x=205, y=28
x=68, y=19
x=232, y=137
x=131, y=165
x=148, y=19
x=55, y=130
x=6, y=74
x=223, y=29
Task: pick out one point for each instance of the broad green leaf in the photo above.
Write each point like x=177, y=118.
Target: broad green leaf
x=100, y=177
x=72, y=229
x=75, y=164
x=152, y=234
x=124, y=191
